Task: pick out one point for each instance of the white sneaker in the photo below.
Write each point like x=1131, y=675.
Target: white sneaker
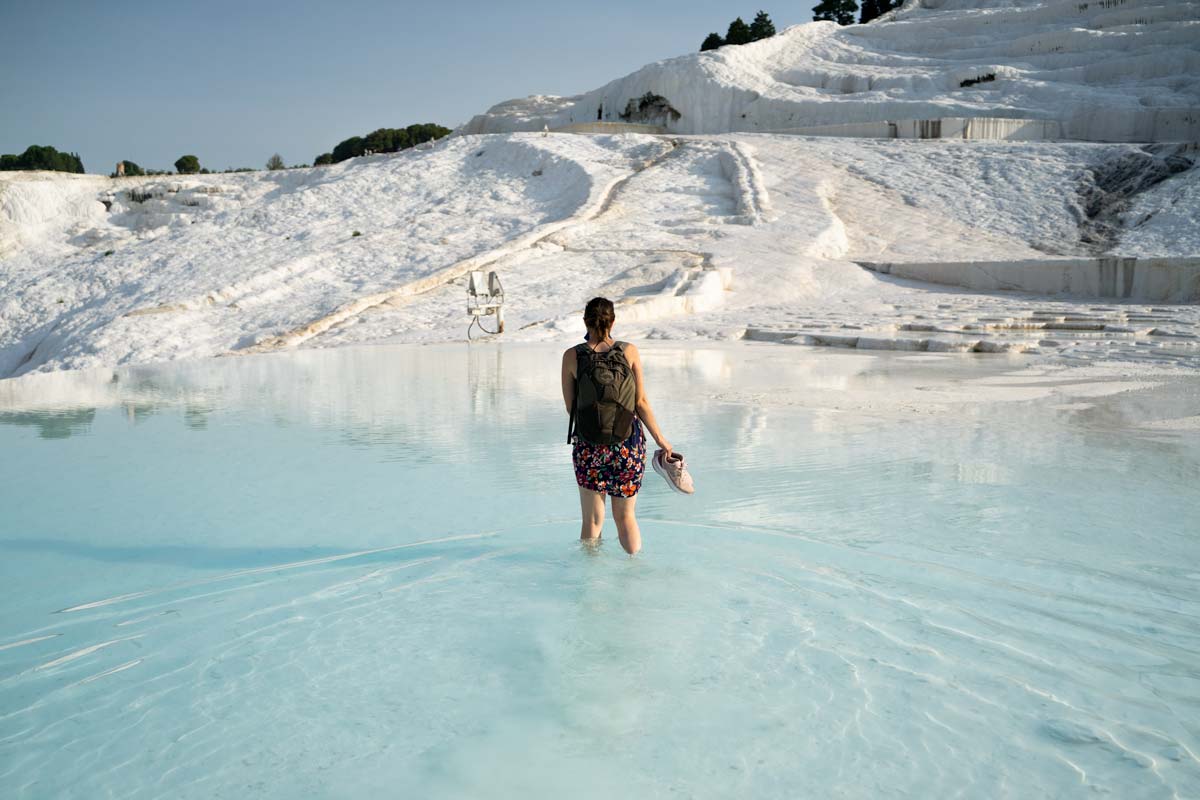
x=674, y=470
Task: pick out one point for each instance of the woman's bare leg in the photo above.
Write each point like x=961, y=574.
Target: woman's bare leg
x=627, y=527
x=592, y=505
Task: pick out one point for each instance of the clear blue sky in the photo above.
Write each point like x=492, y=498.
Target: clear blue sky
x=234, y=82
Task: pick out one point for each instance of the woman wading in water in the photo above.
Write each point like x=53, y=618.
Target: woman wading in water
x=604, y=390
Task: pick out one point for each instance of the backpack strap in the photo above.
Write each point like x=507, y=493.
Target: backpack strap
x=581, y=351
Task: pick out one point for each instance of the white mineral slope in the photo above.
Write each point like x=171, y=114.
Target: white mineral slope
x=208, y=264
x=1163, y=219
x=47, y=211
x=696, y=238
x=1120, y=70
x=789, y=245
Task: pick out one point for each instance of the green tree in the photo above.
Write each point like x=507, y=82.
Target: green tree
x=187, y=165
x=739, y=32
x=872, y=9
x=762, y=27
x=712, y=42
x=839, y=11
x=349, y=148
x=42, y=157
x=275, y=162
x=426, y=132
x=419, y=134
x=382, y=140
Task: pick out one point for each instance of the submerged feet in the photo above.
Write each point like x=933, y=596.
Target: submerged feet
x=631, y=545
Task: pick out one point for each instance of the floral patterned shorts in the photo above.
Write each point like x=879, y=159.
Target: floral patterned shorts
x=613, y=469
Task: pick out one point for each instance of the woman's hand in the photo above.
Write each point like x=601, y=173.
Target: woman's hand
x=666, y=448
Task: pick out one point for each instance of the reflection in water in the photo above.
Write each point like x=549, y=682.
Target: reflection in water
x=485, y=378
x=140, y=412
x=406, y=398
x=196, y=416
x=52, y=424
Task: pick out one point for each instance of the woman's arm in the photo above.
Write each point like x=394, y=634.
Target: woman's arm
x=568, y=378
x=644, y=411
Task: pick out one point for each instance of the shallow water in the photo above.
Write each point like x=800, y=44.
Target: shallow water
x=355, y=573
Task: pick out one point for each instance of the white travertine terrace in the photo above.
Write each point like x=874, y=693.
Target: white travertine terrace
x=1115, y=70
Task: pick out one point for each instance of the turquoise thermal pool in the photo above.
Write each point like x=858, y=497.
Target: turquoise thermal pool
x=356, y=573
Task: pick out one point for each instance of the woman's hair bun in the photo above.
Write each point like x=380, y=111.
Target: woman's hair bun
x=599, y=315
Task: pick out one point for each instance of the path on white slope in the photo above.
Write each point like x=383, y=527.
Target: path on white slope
x=664, y=246
x=1118, y=70
x=599, y=203
x=829, y=202
x=208, y=264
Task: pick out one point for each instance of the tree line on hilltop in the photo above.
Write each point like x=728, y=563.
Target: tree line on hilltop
x=383, y=140
x=184, y=165
x=842, y=11
x=42, y=157
x=740, y=33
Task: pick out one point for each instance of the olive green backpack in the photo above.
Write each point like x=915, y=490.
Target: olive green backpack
x=605, y=395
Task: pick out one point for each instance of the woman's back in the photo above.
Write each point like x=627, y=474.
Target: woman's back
x=604, y=392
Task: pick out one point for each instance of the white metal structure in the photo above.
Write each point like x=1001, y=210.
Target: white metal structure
x=485, y=298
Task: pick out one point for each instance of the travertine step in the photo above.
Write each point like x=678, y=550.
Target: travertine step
x=999, y=325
